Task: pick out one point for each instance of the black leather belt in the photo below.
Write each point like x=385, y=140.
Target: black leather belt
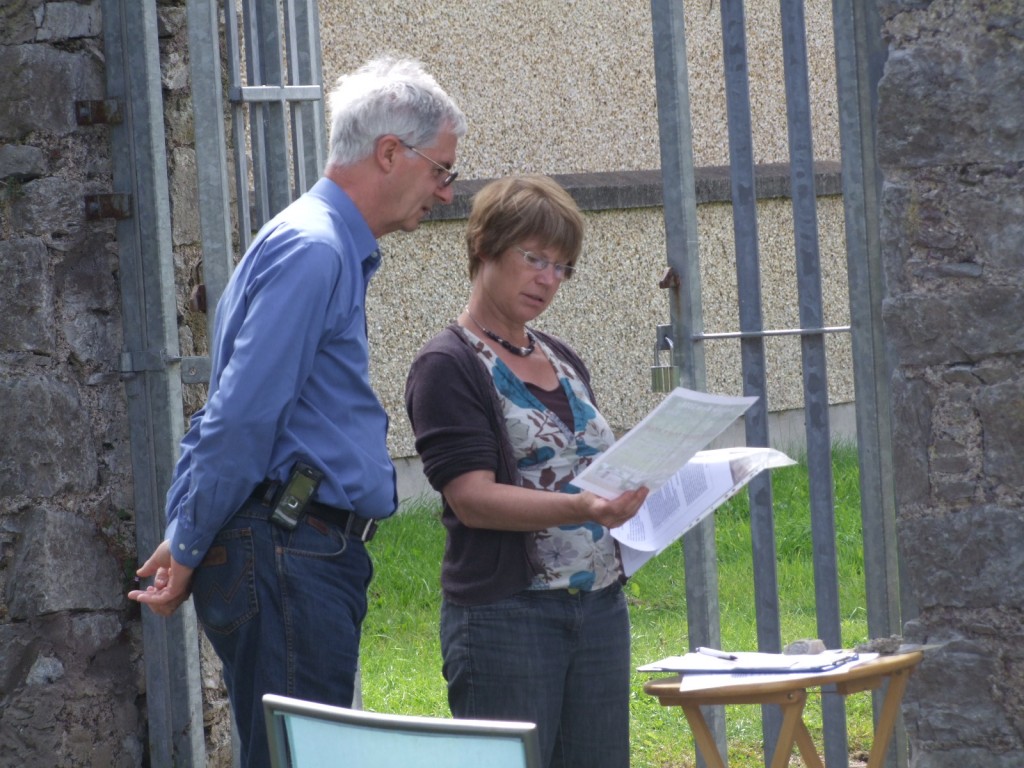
x=354, y=526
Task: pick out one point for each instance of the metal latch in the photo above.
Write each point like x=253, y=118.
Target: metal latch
x=664, y=378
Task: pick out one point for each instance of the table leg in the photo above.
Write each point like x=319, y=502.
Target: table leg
x=887, y=719
x=702, y=735
x=807, y=749
x=794, y=730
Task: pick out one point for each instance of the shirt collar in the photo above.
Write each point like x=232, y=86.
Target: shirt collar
x=337, y=198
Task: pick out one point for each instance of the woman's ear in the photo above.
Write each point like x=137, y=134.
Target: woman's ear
x=476, y=262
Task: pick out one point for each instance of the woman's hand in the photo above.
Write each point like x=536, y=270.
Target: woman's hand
x=611, y=513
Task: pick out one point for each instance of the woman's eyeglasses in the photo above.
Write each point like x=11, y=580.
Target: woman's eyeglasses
x=539, y=263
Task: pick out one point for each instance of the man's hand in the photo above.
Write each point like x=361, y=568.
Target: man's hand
x=172, y=582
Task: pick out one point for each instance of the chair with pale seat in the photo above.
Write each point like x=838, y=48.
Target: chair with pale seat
x=304, y=734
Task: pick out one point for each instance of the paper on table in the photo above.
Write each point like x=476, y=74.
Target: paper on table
x=706, y=482
x=704, y=681
x=752, y=662
x=658, y=447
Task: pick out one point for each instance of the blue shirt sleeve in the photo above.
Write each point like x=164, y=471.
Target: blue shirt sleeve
x=267, y=357
x=289, y=377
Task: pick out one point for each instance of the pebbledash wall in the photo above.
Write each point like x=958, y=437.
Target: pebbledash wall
x=568, y=89
x=560, y=88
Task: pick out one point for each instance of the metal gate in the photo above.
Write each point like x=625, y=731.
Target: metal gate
x=275, y=103
x=859, y=58
x=277, y=117
x=276, y=107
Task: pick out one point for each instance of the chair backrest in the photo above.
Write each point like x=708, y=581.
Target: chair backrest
x=304, y=734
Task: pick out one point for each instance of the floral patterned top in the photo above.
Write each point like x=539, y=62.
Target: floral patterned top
x=549, y=454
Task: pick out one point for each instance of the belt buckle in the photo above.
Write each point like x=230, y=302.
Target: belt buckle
x=369, y=527
x=370, y=531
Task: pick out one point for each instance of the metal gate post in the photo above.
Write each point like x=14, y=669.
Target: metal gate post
x=213, y=190
x=813, y=354
x=686, y=311
x=150, y=373
x=752, y=354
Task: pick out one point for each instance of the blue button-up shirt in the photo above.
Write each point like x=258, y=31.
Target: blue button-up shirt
x=289, y=378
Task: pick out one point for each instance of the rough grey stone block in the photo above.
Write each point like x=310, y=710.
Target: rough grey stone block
x=51, y=209
x=21, y=162
x=911, y=424
x=54, y=452
x=16, y=643
x=91, y=317
x=965, y=325
x=955, y=98
x=184, y=196
x=68, y=21
x=1001, y=410
x=968, y=559
x=41, y=85
x=955, y=702
x=26, y=294
x=53, y=544
x=45, y=670
x=18, y=21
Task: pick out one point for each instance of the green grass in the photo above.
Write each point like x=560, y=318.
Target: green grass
x=400, y=661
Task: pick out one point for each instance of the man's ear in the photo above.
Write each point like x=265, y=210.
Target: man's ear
x=386, y=150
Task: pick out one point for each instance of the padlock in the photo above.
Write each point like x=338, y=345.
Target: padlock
x=664, y=378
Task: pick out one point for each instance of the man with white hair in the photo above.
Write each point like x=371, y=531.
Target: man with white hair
x=284, y=473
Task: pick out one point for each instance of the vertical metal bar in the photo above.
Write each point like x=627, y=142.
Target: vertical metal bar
x=752, y=355
x=680, y=210
x=305, y=68
x=238, y=114
x=295, y=111
x=268, y=121
x=138, y=149
x=814, y=368
x=860, y=56
x=302, y=23
x=311, y=71
x=211, y=150
x=257, y=134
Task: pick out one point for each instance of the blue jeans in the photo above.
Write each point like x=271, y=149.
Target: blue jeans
x=283, y=610
x=550, y=657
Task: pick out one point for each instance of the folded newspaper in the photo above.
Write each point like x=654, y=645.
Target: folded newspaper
x=663, y=452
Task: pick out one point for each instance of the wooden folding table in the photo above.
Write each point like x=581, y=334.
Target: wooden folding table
x=790, y=693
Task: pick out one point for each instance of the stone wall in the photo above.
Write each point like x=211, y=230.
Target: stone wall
x=951, y=145
x=69, y=679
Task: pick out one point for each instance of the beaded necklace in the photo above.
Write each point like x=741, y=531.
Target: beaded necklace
x=521, y=351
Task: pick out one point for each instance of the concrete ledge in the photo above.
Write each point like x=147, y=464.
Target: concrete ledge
x=620, y=190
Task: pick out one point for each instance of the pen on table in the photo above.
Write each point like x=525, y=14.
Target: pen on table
x=717, y=654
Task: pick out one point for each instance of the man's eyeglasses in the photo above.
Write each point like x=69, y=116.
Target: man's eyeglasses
x=450, y=173
x=539, y=263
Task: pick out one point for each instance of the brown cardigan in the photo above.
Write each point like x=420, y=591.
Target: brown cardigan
x=460, y=427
